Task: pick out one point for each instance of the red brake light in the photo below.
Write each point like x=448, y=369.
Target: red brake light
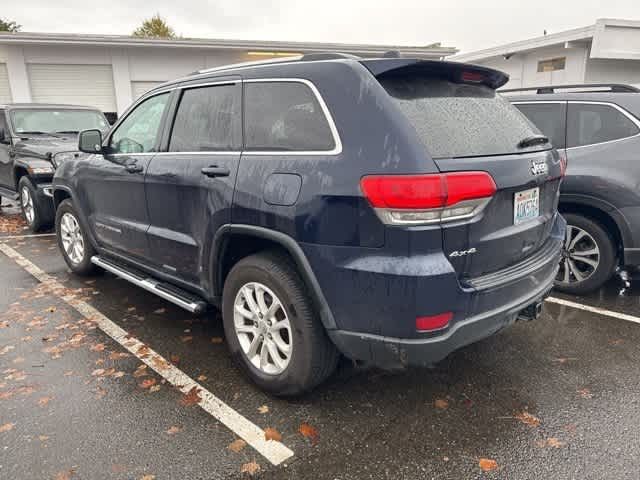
x=473, y=77
x=434, y=322
x=426, y=191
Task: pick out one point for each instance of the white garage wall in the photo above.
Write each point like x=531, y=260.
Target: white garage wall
x=613, y=71
x=140, y=88
x=5, y=90
x=77, y=84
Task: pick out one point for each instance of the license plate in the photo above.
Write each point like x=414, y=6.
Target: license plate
x=526, y=205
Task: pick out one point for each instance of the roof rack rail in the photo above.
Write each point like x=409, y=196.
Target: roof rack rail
x=612, y=87
x=311, y=57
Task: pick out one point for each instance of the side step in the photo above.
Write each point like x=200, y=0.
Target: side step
x=169, y=292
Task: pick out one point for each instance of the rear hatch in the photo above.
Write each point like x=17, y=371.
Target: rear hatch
x=467, y=127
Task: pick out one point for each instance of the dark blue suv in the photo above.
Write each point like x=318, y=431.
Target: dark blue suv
x=391, y=210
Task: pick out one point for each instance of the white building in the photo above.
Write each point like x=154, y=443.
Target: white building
x=109, y=72
x=607, y=52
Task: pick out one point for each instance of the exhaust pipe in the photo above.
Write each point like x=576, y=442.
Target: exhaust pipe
x=531, y=312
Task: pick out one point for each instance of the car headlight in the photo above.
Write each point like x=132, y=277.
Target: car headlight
x=59, y=158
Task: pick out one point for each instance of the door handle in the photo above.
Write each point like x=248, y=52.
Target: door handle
x=134, y=168
x=215, y=171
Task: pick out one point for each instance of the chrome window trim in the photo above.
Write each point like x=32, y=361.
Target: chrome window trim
x=336, y=150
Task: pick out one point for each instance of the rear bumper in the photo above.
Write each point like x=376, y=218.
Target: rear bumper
x=388, y=352
x=375, y=310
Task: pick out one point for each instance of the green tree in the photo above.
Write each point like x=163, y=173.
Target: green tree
x=154, y=27
x=9, y=26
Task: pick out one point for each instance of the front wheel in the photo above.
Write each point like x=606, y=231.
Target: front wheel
x=588, y=258
x=272, y=328
x=33, y=211
x=73, y=241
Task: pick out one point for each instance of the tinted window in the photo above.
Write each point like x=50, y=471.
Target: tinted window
x=208, y=119
x=592, y=123
x=550, y=118
x=3, y=125
x=459, y=120
x=284, y=116
x=138, y=132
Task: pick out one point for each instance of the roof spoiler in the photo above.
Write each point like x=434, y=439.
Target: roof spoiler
x=454, y=71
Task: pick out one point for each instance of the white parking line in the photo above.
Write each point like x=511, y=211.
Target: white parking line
x=275, y=452
x=35, y=235
x=588, y=308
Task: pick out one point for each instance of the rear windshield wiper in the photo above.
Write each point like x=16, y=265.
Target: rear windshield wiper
x=36, y=132
x=532, y=141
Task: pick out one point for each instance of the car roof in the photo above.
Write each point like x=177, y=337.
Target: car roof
x=57, y=106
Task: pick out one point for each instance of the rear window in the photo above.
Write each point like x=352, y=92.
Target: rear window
x=284, y=116
x=460, y=120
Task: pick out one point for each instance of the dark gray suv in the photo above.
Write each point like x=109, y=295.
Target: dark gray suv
x=597, y=129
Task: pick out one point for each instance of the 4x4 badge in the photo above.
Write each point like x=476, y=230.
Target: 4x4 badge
x=539, y=167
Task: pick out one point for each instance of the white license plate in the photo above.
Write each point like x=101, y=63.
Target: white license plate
x=526, y=205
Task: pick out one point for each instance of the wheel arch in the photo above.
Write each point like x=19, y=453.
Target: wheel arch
x=234, y=242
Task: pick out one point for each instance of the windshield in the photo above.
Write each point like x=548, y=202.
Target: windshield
x=51, y=121
x=459, y=119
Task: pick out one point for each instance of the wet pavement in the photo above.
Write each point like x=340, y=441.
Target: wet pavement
x=554, y=398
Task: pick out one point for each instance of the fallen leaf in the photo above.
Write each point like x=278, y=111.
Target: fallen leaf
x=6, y=427
x=585, y=393
x=118, y=375
x=6, y=349
x=118, y=355
x=309, y=432
x=174, y=359
x=186, y=338
x=100, y=361
x=98, y=372
x=43, y=438
x=44, y=401
x=487, y=464
x=528, y=419
x=191, y=398
x=441, y=403
x=51, y=309
x=160, y=311
x=263, y=409
x=148, y=477
x=216, y=340
x=554, y=442
x=66, y=475
x=201, y=378
x=155, y=388
x=237, y=445
x=141, y=371
x=100, y=392
x=174, y=429
x=251, y=468
x=109, y=371
x=272, y=434
x=160, y=363
x=149, y=382
x=98, y=347
x=131, y=309
x=143, y=351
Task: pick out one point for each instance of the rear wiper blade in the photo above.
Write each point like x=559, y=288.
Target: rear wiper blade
x=532, y=141
x=36, y=132
x=67, y=131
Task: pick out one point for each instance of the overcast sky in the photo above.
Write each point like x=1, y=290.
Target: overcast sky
x=465, y=24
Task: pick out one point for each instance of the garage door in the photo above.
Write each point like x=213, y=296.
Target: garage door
x=77, y=84
x=5, y=91
x=139, y=88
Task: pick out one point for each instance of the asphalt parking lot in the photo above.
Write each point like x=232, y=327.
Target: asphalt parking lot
x=100, y=379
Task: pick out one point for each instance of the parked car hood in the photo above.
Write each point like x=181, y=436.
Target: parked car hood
x=44, y=146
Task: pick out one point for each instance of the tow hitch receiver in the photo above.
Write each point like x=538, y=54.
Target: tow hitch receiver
x=531, y=312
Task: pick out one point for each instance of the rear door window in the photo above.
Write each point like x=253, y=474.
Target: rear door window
x=207, y=120
x=284, y=116
x=457, y=119
x=590, y=123
x=550, y=118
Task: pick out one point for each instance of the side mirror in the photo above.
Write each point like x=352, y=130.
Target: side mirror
x=90, y=141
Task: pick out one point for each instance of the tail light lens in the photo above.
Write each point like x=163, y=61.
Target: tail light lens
x=434, y=322
x=422, y=199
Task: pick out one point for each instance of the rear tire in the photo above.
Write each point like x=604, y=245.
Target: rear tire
x=268, y=278
x=591, y=237
x=73, y=241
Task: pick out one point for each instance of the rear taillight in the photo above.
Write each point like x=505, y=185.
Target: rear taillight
x=420, y=199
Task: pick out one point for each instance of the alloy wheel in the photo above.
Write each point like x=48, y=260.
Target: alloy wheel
x=262, y=327
x=72, y=240
x=26, y=201
x=580, y=257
